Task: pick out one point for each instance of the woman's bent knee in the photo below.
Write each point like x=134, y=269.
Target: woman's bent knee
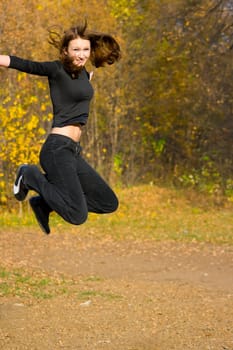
x=110, y=207
x=78, y=219
x=115, y=205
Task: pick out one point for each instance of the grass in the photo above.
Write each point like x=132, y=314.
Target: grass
x=27, y=285
x=149, y=212
x=19, y=283
x=145, y=213
x=89, y=294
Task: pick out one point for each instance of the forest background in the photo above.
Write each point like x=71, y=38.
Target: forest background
x=162, y=115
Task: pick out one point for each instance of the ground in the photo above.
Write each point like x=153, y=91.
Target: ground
x=117, y=294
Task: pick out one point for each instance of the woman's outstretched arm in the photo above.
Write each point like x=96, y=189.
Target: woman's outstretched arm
x=4, y=61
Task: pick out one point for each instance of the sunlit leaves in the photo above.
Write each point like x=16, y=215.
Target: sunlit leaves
x=125, y=10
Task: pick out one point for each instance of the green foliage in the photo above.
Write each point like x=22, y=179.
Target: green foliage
x=118, y=163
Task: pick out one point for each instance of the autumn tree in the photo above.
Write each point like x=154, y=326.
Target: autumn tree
x=163, y=113
x=204, y=33
x=178, y=109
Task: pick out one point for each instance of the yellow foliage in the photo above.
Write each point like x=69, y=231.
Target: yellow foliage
x=21, y=132
x=41, y=131
x=32, y=123
x=3, y=199
x=39, y=7
x=20, y=76
x=33, y=99
x=43, y=107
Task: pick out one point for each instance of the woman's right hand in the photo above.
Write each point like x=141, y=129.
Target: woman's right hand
x=4, y=61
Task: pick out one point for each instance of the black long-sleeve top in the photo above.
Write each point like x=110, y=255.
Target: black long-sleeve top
x=70, y=96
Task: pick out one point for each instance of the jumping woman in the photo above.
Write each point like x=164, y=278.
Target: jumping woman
x=67, y=184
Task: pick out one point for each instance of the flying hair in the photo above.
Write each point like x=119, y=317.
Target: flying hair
x=104, y=48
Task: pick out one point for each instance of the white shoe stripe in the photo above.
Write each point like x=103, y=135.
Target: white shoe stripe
x=17, y=187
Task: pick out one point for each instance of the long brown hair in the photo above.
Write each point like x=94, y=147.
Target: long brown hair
x=104, y=48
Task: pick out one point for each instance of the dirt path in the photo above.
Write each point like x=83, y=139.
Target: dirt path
x=135, y=295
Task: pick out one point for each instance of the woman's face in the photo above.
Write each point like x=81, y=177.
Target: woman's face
x=79, y=51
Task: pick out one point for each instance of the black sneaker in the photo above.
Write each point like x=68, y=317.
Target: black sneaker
x=41, y=211
x=20, y=190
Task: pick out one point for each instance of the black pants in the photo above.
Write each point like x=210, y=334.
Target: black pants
x=70, y=186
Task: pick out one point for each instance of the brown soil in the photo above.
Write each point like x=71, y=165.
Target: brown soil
x=135, y=295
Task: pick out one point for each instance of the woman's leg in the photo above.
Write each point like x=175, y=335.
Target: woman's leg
x=99, y=196
x=60, y=186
